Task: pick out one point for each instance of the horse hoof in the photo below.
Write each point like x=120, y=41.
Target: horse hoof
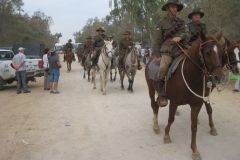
x=156, y=129
x=104, y=94
x=196, y=156
x=167, y=140
x=213, y=132
x=94, y=87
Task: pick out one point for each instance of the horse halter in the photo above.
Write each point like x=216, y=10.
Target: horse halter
x=203, y=61
x=230, y=64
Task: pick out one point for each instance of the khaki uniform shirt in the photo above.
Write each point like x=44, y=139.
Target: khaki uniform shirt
x=162, y=46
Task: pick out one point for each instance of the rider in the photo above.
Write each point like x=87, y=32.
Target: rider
x=68, y=46
x=87, y=48
x=171, y=30
x=98, y=43
x=196, y=26
x=125, y=46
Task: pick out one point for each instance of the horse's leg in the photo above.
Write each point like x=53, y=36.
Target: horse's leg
x=171, y=118
x=213, y=131
x=93, y=78
x=101, y=81
x=88, y=71
x=122, y=74
x=114, y=79
x=154, y=105
x=111, y=79
x=194, y=118
x=84, y=76
x=105, y=81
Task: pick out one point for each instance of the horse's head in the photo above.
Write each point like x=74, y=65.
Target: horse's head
x=212, y=52
x=232, y=56
x=109, y=48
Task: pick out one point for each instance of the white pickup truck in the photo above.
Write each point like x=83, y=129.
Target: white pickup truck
x=7, y=73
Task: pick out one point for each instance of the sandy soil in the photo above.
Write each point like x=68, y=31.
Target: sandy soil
x=82, y=124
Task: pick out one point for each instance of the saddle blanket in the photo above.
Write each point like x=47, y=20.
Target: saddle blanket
x=154, y=68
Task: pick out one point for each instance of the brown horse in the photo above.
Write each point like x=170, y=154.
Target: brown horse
x=188, y=85
x=69, y=58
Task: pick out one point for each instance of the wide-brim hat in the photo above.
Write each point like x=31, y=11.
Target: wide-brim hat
x=175, y=2
x=21, y=49
x=100, y=29
x=110, y=36
x=127, y=33
x=196, y=11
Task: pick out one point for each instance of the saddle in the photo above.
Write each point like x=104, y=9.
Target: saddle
x=155, y=65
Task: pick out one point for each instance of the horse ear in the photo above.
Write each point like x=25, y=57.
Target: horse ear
x=219, y=36
x=111, y=41
x=227, y=42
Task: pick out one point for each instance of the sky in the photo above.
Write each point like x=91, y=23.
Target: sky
x=68, y=16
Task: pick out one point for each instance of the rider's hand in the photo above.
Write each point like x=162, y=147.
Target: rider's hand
x=129, y=47
x=176, y=39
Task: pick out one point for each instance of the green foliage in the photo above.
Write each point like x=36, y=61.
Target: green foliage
x=17, y=27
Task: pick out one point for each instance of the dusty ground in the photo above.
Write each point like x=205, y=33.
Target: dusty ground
x=82, y=124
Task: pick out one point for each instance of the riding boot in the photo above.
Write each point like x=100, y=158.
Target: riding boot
x=162, y=100
x=139, y=64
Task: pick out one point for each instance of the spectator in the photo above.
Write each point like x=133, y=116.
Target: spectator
x=46, y=69
x=55, y=66
x=18, y=63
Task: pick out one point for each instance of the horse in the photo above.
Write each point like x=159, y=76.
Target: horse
x=87, y=65
x=69, y=58
x=80, y=52
x=130, y=68
x=188, y=85
x=104, y=64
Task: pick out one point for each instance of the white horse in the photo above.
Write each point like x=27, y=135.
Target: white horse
x=104, y=64
x=130, y=68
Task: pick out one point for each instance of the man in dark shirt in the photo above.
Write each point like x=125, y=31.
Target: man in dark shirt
x=196, y=26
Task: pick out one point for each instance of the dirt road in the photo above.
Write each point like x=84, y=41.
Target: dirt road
x=82, y=124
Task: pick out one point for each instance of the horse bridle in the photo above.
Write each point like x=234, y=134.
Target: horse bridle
x=105, y=50
x=204, y=69
x=230, y=64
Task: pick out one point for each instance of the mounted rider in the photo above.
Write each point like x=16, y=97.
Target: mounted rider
x=87, y=48
x=98, y=43
x=171, y=30
x=125, y=46
x=196, y=26
x=67, y=46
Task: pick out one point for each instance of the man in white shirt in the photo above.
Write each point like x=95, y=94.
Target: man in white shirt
x=18, y=62
x=46, y=69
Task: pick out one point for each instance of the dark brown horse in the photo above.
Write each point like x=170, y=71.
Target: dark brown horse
x=188, y=85
x=69, y=58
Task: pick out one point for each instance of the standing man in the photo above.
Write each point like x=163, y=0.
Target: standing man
x=46, y=68
x=55, y=66
x=196, y=26
x=70, y=47
x=19, y=65
x=98, y=43
x=171, y=30
x=125, y=46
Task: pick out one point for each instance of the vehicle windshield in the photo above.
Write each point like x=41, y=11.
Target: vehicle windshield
x=6, y=55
